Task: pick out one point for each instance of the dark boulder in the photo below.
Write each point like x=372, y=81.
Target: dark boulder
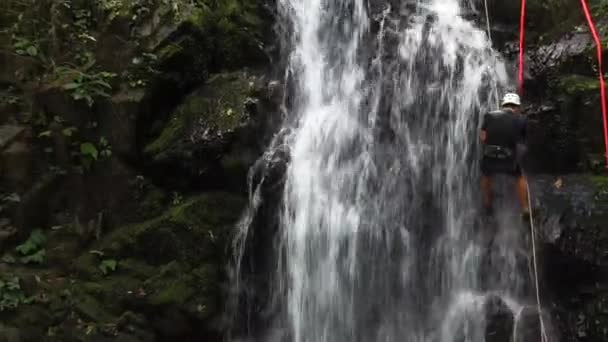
x=573, y=253
x=218, y=131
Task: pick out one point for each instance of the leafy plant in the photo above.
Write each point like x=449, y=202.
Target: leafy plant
x=25, y=47
x=142, y=69
x=108, y=265
x=32, y=250
x=11, y=295
x=10, y=96
x=104, y=146
x=86, y=86
x=90, y=153
x=177, y=198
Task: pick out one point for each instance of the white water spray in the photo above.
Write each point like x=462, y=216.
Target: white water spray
x=378, y=218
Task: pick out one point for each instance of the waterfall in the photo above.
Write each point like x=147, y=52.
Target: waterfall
x=379, y=236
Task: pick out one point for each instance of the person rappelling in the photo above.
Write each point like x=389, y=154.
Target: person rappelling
x=503, y=139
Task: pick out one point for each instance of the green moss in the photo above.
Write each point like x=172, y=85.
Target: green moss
x=219, y=105
x=86, y=265
x=225, y=106
x=30, y=316
x=170, y=51
x=600, y=182
x=172, y=131
x=573, y=84
x=190, y=232
x=91, y=309
x=136, y=268
x=199, y=17
x=174, y=291
x=172, y=285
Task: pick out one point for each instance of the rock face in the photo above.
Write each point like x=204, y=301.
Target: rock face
x=572, y=220
x=126, y=132
x=217, y=132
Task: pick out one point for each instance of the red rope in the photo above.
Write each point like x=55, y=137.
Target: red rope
x=598, y=45
x=522, y=31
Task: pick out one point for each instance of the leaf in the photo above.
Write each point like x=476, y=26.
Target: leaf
x=90, y=150
x=38, y=237
x=9, y=259
x=108, y=265
x=32, y=51
x=14, y=197
x=33, y=243
x=69, y=131
x=36, y=258
x=13, y=284
x=101, y=93
x=71, y=86
x=26, y=248
x=20, y=44
x=96, y=252
x=102, y=83
x=44, y=134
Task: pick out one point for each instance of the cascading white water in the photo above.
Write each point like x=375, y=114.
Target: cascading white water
x=378, y=218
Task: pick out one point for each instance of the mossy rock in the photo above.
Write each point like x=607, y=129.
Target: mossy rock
x=183, y=61
x=577, y=85
x=191, y=232
x=218, y=107
x=195, y=291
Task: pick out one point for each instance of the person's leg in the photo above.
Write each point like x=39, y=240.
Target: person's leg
x=486, y=192
x=521, y=186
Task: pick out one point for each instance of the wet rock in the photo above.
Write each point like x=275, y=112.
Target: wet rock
x=167, y=271
x=6, y=231
x=217, y=132
x=10, y=133
x=15, y=156
x=16, y=162
x=15, y=69
x=499, y=320
x=573, y=216
x=527, y=326
x=572, y=236
x=190, y=232
x=117, y=121
x=570, y=53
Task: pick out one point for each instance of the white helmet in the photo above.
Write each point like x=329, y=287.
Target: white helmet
x=512, y=99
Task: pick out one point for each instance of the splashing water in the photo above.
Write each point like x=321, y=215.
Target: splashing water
x=378, y=238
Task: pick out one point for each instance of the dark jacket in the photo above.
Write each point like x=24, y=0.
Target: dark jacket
x=504, y=129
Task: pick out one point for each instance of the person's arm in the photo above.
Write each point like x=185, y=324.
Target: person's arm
x=483, y=135
x=523, y=130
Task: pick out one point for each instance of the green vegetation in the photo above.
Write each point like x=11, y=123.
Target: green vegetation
x=32, y=250
x=11, y=294
x=83, y=79
x=575, y=84
x=108, y=265
x=85, y=86
x=221, y=106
